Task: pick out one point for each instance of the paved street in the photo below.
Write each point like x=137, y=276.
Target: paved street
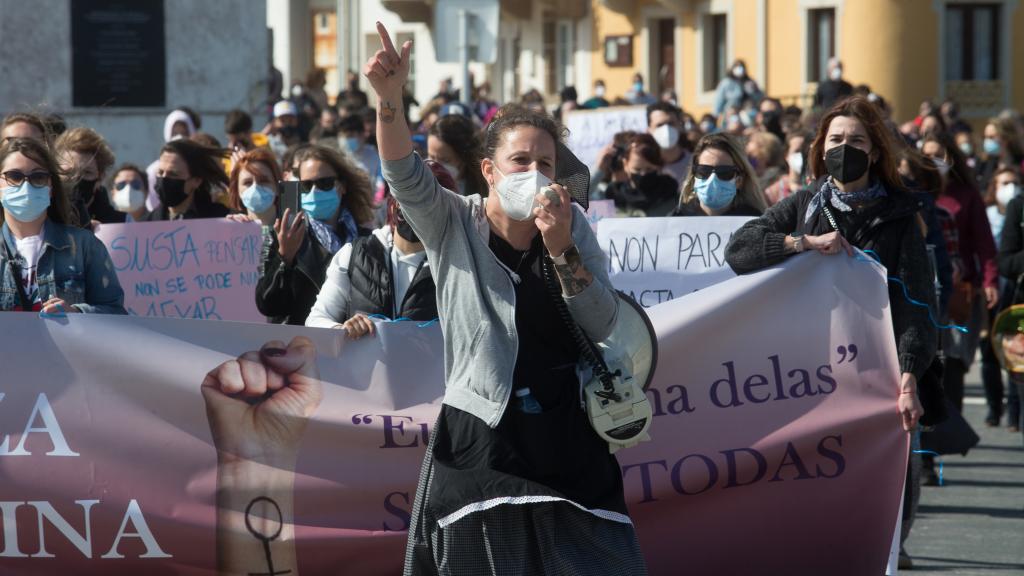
x=974, y=525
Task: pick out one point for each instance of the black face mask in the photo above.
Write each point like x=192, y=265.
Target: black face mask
x=403, y=229
x=645, y=182
x=171, y=191
x=85, y=190
x=846, y=163
x=289, y=132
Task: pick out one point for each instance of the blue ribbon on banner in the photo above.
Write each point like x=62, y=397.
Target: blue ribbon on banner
x=906, y=294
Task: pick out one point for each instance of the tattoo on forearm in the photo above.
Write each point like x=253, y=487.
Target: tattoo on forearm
x=387, y=112
x=575, y=278
x=273, y=530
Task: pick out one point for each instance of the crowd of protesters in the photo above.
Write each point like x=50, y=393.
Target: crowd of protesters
x=935, y=197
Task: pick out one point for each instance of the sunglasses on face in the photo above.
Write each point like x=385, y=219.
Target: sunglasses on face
x=704, y=171
x=17, y=177
x=120, y=185
x=325, y=183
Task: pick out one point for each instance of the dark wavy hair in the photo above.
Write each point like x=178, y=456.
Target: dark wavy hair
x=859, y=107
x=60, y=205
x=459, y=133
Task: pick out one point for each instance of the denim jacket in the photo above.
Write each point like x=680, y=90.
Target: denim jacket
x=74, y=266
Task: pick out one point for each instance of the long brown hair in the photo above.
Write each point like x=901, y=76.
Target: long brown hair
x=750, y=194
x=256, y=156
x=60, y=206
x=357, y=195
x=884, y=168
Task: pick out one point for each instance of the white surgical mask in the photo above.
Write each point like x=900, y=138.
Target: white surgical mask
x=1007, y=192
x=796, y=162
x=128, y=199
x=836, y=73
x=666, y=136
x=739, y=71
x=518, y=192
x=942, y=166
x=599, y=91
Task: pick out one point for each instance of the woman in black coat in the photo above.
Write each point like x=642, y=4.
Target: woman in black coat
x=336, y=209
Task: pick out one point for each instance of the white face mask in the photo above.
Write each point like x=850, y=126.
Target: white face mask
x=599, y=91
x=128, y=199
x=666, y=136
x=739, y=71
x=942, y=166
x=518, y=192
x=836, y=73
x=1007, y=192
x=796, y=162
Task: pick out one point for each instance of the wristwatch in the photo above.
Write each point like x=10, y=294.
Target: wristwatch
x=563, y=258
x=798, y=243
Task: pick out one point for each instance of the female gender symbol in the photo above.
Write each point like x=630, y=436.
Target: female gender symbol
x=265, y=538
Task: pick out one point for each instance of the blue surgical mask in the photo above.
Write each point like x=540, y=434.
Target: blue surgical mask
x=320, y=204
x=638, y=87
x=352, y=143
x=991, y=146
x=258, y=199
x=26, y=202
x=714, y=193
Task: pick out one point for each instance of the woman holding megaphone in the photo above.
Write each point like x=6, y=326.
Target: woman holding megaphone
x=512, y=451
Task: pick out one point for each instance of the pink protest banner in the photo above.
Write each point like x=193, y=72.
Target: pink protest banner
x=201, y=269
x=774, y=451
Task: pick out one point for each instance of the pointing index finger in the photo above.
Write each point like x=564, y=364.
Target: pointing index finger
x=385, y=39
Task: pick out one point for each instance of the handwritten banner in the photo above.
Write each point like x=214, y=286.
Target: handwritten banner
x=592, y=130
x=204, y=269
x=655, y=260
x=770, y=455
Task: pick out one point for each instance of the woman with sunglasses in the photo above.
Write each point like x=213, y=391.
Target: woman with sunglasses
x=722, y=182
x=385, y=273
x=128, y=194
x=46, y=263
x=337, y=208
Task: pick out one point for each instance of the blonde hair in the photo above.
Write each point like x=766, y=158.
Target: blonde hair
x=88, y=142
x=750, y=193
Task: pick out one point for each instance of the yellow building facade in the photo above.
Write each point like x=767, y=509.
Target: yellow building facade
x=905, y=50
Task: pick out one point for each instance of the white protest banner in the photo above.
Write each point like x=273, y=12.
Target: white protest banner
x=769, y=454
x=592, y=130
x=205, y=269
x=655, y=260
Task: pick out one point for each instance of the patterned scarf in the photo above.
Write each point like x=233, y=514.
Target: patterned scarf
x=324, y=233
x=841, y=200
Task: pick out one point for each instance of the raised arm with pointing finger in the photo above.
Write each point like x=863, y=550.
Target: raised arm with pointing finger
x=503, y=333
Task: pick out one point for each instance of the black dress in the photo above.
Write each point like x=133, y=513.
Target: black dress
x=538, y=494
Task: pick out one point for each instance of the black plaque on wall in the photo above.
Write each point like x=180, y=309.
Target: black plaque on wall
x=118, y=55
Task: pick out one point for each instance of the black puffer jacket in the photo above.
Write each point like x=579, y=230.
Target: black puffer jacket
x=890, y=227
x=286, y=293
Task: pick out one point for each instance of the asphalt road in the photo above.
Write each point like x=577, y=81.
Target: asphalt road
x=974, y=523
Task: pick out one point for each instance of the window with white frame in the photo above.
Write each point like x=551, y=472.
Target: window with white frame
x=972, y=42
